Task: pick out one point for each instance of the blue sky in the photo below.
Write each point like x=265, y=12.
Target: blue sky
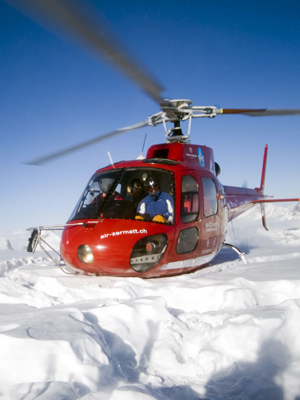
x=56, y=93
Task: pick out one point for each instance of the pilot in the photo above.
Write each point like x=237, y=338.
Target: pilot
x=158, y=206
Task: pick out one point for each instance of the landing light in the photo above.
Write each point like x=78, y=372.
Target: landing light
x=85, y=254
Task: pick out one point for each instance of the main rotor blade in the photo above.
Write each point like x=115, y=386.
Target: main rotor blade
x=82, y=25
x=53, y=156
x=267, y=112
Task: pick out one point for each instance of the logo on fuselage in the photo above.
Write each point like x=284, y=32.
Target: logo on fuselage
x=201, y=157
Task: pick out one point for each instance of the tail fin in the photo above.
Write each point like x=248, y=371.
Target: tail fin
x=263, y=215
x=261, y=190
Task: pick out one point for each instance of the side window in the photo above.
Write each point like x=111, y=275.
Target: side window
x=189, y=199
x=210, y=197
x=187, y=240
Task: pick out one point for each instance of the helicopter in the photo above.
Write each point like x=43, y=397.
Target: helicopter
x=109, y=231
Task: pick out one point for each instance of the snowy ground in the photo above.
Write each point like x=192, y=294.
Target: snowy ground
x=230, y=331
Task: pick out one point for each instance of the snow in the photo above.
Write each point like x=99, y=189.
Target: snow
x=229, y=331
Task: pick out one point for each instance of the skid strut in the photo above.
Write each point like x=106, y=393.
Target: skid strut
x=37, y=239
x=240, y=253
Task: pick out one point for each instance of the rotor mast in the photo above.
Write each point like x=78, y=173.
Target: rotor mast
x=176, y=111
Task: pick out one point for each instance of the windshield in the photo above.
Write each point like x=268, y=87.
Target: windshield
x=132, y=193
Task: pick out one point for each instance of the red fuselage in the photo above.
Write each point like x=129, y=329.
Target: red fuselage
x=128, y=247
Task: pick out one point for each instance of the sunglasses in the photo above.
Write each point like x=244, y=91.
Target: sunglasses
x=135, y=189
x=156, y=188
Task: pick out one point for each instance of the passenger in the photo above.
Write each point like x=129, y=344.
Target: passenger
x=158, y=206
x=136, y=192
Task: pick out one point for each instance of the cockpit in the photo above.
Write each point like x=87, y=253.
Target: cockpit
x=120, y=194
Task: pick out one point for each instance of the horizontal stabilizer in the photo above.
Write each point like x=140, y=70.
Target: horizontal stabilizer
x=273, y=200
x=262, y=207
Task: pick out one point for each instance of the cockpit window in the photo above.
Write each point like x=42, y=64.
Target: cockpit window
x=132, y=193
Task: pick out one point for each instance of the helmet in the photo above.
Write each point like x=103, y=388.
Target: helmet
x=153, y=182
x=136, y=186
x=105, y=183
x=154, y=187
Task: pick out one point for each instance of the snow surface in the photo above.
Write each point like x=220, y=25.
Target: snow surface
x=229, y=331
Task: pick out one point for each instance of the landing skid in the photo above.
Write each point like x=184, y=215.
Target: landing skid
x=240, y=253
x=36, y=239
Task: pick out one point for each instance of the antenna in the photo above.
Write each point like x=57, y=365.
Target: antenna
x=111, y=161
x=141, y=156
x=144, y=143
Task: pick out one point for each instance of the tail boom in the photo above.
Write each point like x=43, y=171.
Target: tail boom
x=240, y=200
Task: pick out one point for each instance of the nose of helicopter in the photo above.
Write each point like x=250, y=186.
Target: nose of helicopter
x=116, y=248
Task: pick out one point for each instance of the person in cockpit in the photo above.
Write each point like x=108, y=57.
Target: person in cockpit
x=136, y=191
x=158, y=206
x=108, y=204
x=104, y=185
x=117, y=206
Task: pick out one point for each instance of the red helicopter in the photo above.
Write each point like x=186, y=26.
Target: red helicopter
x=159, y=215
